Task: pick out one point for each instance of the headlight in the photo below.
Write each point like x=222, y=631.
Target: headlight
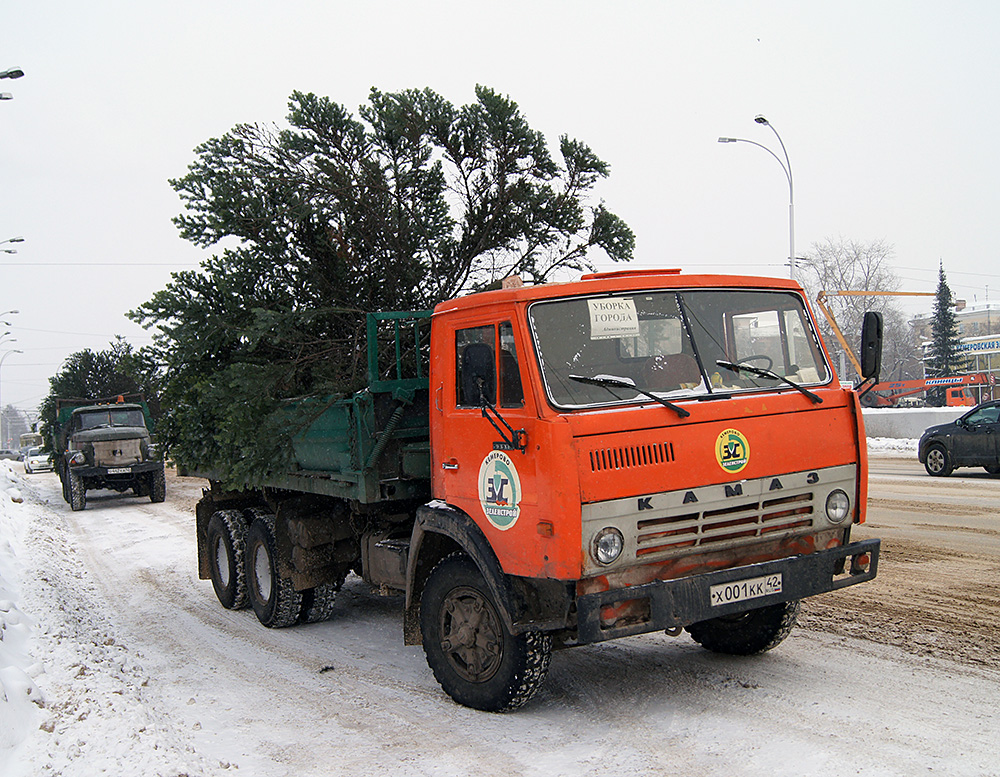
x=78, y=458
x=607, y=546
x=838, y=505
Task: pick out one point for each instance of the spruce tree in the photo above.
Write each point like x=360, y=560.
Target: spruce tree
x=411, y=201
x=945, y=356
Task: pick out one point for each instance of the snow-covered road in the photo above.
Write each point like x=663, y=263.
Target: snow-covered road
x=116, y=659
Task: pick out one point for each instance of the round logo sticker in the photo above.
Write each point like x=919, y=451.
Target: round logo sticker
x=732, y=450
x=499, y=490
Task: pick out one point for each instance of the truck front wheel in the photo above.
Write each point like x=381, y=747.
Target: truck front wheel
x=77, y=492
x=158, y=486
x=746, y=633
x=274, y=599
x=477, y=661
x=227, y=539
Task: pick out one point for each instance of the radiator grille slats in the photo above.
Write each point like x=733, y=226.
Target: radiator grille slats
x=748, y=519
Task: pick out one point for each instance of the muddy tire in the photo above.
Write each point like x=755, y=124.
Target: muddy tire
x=274, y=599
x=319, y=603
x=475, y=659
x=938, y=461
x=227, y=540
x=746, y=633
x=76, y=491
x=157, y=486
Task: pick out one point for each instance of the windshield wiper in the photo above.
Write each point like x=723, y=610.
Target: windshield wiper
x=612, y=381
x=765, y=373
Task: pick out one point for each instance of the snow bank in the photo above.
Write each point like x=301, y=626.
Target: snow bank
x=892, y=446
x=20, y=697
x=74, y=695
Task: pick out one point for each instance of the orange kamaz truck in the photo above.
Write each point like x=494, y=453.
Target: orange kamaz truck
x=542, y=467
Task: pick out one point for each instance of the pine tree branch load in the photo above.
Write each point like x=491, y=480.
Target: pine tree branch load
x=410, y=202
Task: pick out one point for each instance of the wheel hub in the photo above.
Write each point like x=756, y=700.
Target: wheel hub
x=222, y=561
x=262, y=573
x=471, y=635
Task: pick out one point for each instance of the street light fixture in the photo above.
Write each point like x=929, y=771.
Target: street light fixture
x=11, y=72
x=786, y=167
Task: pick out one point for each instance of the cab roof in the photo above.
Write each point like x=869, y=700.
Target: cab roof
x=613, y=282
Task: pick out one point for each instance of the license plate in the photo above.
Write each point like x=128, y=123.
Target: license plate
x=742, y=590
x=119, y=470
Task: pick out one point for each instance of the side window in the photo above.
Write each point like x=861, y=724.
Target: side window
x=511, y=390
x=475, y=360
x=987, y=415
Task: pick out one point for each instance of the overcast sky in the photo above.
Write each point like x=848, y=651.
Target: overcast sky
x=888, y=110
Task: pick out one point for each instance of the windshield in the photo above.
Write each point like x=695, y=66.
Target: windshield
x=95, y=419
x=668, y=343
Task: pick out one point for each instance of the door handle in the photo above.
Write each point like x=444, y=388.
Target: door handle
x=450, y=464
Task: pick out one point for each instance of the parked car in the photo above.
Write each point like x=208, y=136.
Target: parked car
x=9, y=455
x=36, y=461
x=970, y=441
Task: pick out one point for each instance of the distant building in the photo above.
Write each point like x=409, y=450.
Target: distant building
x=979, y=329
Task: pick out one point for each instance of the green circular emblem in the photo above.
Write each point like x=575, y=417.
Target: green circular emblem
x=499, y=490
x=732, y=450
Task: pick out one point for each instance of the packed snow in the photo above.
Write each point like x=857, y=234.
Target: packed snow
x=98, y=680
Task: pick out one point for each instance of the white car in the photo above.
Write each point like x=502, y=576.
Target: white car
x=36, y=461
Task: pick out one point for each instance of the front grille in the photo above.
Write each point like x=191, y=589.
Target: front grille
x=658, y=526
x=731, y=523
x=631, y=456
x=117, y=453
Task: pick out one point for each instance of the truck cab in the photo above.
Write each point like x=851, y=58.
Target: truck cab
x=643, y=451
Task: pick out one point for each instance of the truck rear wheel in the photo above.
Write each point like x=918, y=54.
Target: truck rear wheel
x=318, y=603
x=158, y=486
x=77, y=492
x=274, y=599
x=477, y=661
x=227, y=539
x=746, y=633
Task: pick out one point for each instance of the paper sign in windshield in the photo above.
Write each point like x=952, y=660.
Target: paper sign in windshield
x=610, y=318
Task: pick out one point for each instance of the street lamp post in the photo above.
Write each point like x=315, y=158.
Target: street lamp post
x=786, y=167
x=2, y=359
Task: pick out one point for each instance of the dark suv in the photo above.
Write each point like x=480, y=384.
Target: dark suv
x=970, y=441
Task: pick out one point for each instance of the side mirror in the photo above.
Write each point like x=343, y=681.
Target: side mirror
x=871, y=346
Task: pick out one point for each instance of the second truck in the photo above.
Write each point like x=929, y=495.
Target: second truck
x=542, y=467
x=106, y=444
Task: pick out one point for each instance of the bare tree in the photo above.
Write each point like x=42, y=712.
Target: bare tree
x=850, y=265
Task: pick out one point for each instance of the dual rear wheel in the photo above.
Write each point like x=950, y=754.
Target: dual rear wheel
x=243, y=566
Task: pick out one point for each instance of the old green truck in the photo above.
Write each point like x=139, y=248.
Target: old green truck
x=106, y=443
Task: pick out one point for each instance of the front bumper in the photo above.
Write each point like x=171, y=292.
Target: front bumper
x=116, y=473
x=671, y=604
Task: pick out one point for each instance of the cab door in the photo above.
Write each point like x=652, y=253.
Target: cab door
x=483, y=420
